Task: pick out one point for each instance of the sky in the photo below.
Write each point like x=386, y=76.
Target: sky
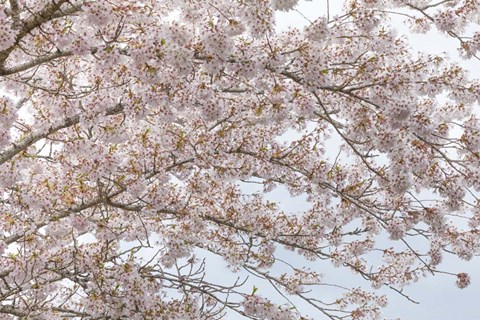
x=438, y=296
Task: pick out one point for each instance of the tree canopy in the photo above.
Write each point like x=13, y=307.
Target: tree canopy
x=129, y=130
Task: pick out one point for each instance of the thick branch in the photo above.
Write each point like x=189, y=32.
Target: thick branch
x=65, y=213
x=6, y=309
x=41, y=134
x=49, y=12
x=34, y=63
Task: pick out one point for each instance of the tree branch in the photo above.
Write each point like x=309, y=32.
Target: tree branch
x=41, y=134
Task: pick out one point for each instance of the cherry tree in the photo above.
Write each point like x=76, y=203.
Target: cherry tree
x=128, y=129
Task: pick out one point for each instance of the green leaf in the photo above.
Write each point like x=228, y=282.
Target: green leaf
x=255, y=289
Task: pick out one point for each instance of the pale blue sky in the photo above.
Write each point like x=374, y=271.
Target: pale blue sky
x=439, y=297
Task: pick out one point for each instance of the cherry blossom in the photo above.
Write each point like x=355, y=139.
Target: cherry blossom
x=138, y=139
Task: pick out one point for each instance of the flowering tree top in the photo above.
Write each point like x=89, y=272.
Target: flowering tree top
x=129, y=128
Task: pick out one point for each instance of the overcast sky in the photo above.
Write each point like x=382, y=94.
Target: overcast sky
x=439, y=297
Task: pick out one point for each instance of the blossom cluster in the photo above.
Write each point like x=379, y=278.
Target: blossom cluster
x=7, y=33
x=137, y=137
